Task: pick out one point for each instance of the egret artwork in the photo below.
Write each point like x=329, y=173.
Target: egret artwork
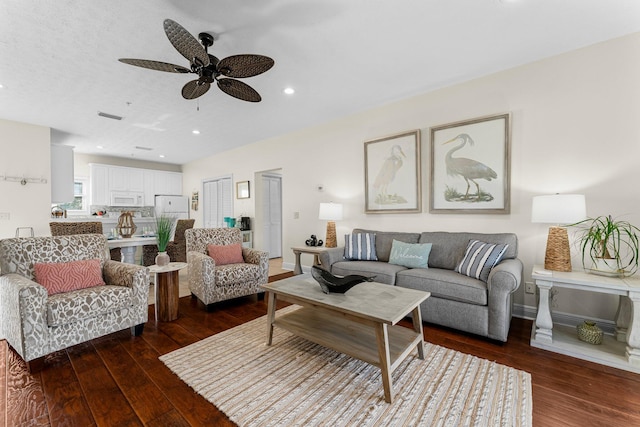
x=386, y=176
x=469, y=169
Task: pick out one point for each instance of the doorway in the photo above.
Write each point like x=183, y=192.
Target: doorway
x=217, y=201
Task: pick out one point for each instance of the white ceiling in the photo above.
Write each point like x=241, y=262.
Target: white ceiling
x=59, y=62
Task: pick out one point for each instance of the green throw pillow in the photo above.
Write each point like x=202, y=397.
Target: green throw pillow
x=411, y=255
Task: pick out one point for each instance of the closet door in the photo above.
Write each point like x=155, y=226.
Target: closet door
x=272, y=209
x=217, y=202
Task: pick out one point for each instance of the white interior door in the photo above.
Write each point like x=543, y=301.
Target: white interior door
x=217, y=201
x=272, y=214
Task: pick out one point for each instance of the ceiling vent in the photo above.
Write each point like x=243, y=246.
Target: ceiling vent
x=137, y=147
x=109, y=116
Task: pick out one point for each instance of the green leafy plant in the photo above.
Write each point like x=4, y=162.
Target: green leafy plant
x=605, y=238
x=163, y=231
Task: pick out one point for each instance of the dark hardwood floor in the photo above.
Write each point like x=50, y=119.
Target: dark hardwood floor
x=118, y=380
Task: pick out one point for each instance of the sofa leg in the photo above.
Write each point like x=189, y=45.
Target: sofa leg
x=211, y=308
x=261, y=296
x=136, y=331
x=36, y=365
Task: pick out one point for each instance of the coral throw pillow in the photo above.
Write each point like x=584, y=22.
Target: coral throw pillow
x=226, y=254
x=69, y=276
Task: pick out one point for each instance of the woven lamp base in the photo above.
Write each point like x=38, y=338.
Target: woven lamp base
x=331, y=235
x=558, y=255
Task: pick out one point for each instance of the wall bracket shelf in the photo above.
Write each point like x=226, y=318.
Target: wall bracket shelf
x=23, y=180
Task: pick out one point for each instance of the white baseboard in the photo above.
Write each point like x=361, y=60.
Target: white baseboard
x=560, y=318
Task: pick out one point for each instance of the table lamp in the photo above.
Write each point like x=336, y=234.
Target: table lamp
x=330, y=212
x=558, y=209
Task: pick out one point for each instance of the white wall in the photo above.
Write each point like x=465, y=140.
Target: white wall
x=574, y=129
x=25, y=151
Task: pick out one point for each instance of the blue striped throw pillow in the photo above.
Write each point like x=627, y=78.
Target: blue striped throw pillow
x=360, y=246
x=480, y=258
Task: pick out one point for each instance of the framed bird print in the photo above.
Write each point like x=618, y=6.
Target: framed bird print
x=470, y=170
x=392, y=174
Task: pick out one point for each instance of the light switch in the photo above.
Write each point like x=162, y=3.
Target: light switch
x=4, y=216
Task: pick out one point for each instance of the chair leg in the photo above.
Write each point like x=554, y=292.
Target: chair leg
x=36, y=365
x=136, y=331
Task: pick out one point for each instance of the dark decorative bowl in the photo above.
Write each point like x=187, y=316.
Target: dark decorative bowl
x=337, y=284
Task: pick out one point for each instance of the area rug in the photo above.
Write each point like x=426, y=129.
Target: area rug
x=297, y=383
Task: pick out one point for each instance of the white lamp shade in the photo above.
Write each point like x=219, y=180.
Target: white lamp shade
x=559, y=209
x=330, y=211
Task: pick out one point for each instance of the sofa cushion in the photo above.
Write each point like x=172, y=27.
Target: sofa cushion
x=444, y=284
x=384, y=241
x=226, y=254
x=448, y=248
x=236, y=274
x=384, y=272
x=410, y=255
x=480, y=258
x=69, y=276
x=360, y=246
x=78, y=305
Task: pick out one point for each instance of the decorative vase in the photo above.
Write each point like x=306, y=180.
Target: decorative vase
x=162, y=259
x=125, y=226
x=589, y=332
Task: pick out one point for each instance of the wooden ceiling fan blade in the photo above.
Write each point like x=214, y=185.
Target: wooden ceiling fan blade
x=240, y=66
x=185, y=43
x=155, y=65
x=239, y=90
x=195, y=89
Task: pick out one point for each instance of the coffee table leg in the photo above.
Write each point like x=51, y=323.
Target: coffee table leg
x=417, y=326
x=271, y=315
x=382, y=335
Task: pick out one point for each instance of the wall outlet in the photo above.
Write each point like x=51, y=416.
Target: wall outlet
x=4, y=216
x=529, y=287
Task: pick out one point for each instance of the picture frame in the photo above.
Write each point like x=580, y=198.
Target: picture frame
x=392, y=169
x=472, y=175
x=194, y=200
x=242, y=190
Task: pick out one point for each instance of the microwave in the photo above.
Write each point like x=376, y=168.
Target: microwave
x=127, y=198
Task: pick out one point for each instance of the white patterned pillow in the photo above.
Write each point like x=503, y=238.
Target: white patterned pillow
x=360, y=246
x=480, y=258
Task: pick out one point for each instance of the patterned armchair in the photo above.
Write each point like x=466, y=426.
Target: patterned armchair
x=176, y=249
x=211, y=283
x=35, y=323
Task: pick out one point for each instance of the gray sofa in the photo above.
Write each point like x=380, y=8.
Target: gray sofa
x=456, y=301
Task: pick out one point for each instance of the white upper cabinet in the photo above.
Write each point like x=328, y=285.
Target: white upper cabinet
x=99, y=184
x=106, y=178
x=126, y=179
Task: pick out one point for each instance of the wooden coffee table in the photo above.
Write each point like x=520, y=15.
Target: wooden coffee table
x=361, y=323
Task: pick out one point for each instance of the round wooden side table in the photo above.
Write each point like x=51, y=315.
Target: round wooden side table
x=166, y=290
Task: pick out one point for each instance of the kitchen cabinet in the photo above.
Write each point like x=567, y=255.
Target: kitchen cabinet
x=62, y=179
x=106, y=178
x=99, y=184
x=126, y=179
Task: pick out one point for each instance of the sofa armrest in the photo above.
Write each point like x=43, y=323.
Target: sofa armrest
x=331, y=256
x=504, y=279
x=261, y=258
x=132, y=276
x=24, y=315
x=201, y=273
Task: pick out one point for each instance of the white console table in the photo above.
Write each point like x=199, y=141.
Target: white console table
x=620, y=351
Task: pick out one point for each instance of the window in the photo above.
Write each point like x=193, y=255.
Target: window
x=80, y=203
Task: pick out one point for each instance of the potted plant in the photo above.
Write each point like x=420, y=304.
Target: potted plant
x=164, y=224
x=611, y=245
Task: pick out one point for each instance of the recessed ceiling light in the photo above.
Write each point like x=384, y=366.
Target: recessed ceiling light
x=162, y=156
x=1, y=86
x=289, y=90
x=99, y=147
x=195, y=132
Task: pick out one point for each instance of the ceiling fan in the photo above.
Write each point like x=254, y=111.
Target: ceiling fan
x=208, y=67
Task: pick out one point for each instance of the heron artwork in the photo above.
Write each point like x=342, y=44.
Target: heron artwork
x=386, y=176
x=469, y=169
